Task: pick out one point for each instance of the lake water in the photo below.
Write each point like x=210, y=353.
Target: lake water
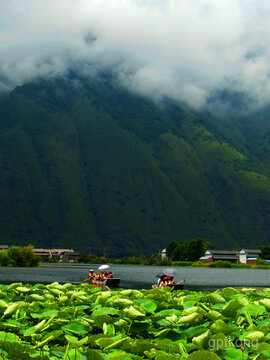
x=139, y=277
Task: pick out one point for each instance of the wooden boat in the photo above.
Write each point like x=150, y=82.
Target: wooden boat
x=179, y=286
x=114, y=282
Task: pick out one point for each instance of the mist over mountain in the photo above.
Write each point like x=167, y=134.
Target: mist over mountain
x=86, y=163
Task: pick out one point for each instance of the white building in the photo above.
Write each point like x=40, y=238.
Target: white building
x=163, y=254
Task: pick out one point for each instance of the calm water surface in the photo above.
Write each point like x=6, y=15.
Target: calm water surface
x=139, y=277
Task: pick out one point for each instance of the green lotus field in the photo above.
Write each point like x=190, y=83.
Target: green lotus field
x=81, y=322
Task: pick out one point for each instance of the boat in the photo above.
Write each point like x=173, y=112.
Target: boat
x=179, y=286
x=113, y=282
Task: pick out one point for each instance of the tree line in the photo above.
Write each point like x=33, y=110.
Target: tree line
x=187, y=250
x=21, y=256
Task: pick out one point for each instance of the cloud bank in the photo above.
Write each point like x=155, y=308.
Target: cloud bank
x=184, y=49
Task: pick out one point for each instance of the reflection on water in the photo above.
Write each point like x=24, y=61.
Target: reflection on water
x=139, y=277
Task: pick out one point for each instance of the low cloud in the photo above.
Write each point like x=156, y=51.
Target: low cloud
x=184, y=49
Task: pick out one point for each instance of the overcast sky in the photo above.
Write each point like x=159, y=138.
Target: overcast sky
x=182, y=48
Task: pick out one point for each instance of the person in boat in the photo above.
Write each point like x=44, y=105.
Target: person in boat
x=110, y=275
x=96, y=276
x=102, y=276
x=160, y=281
x=91, y=275
x=171, y=281
x=163, y=282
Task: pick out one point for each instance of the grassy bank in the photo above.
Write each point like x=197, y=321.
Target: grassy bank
x=157, y=261
x=261, y=264
x=81, y=322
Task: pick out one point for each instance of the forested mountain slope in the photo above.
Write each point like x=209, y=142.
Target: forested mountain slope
x=86, y=163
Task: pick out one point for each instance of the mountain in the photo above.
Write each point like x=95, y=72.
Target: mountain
x=87, y=164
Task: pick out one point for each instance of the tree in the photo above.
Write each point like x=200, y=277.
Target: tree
x=180, y=252
x=171, y=248
x=265, y=254
x=195, y=249
x=208, y=246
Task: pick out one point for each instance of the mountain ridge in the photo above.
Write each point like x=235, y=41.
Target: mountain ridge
x=88, y=164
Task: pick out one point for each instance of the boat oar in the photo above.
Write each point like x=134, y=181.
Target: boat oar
x=181, y=282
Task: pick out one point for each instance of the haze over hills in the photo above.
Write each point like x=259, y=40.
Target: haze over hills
x=86, y=163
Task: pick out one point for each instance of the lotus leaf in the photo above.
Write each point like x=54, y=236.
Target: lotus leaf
x=229, y=291
x=119, y=355
x=219, y=342
x=121, y=324
x=22, y=289
x=216, y=298
x=190, y=310
x=231, y=307
x=201, y=340
x=36, y=297
x=117, y=344
x=133, y=313
x=256, y=335
x=74, y=328
x=75, y=341
x=46, y=314
x=203, y=355
x=219, y=326
x=105, y=311
x=253, y=309
x=189, y=318
x=149, y=305
x=3, y=304
x=126, y=292
x=14, y=307
x=214, y=315
x=233, y=354
x=108, y=329
x=122, y=303
x=94, y=355
x=167, y=312
x=73, y=354
x=265, y=303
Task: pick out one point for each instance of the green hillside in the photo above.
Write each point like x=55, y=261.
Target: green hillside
x=86, y=164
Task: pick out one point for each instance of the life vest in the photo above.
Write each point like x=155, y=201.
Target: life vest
x=101, y=277
x=163, y=283
x=96, y=276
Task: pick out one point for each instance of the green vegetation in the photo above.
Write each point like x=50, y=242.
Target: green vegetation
x=155, y=259
x=85, y=163
x=50, y=322
x=19, y=256
x=189, y=251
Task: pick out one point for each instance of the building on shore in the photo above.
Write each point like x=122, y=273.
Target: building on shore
x=53, y=254
x=57, y=254
x=249, y=256
x=163, y=254
x=244, y=256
